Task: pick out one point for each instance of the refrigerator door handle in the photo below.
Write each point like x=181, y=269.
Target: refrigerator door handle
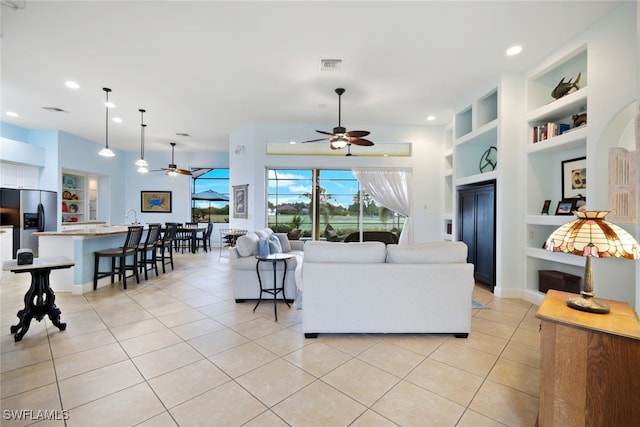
x=41, y=218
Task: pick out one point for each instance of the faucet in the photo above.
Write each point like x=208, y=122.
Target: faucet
x=135, y=216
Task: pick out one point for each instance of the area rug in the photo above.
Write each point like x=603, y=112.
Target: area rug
x=476, y=304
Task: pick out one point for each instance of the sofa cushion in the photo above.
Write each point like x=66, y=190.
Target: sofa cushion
x=427, y=253
x=264, y=233
x=247, y=245
x=284, y=242
x=348, y=253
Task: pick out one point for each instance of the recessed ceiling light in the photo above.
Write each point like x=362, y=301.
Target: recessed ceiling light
x=117, y=119
x=12, y=114
x=431, y=118
x=72, y=85
x=514, y=50
x=110, y=104
x=292, y=142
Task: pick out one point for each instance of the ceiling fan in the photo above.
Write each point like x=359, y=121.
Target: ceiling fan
x=173, y=170
x=340, y=137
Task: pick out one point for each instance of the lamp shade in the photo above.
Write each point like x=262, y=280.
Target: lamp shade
x=591, y=235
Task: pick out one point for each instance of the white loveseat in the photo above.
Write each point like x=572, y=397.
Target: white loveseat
x=243, y=266
x=369, y=288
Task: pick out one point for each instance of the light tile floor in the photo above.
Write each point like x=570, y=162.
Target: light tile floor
x=178, y=350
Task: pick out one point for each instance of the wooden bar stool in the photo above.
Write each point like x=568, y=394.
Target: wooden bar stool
x=165, y=245
x=129, y=249
x=147, y=250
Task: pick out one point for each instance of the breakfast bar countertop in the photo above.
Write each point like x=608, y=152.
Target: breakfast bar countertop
x=88, y=231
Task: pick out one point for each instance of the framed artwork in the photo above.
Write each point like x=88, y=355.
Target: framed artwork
x=566, y=207
x=240, y=201
x=545, y=207
x=155, y=201
x=574, y=178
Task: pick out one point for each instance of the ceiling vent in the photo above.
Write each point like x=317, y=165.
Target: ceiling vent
x=55, y=109
x=182, y=134
x=330, y=64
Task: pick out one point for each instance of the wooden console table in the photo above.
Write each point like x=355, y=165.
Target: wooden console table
x=589, y=365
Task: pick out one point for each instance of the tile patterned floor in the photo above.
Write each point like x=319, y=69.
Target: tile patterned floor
x=177, y=350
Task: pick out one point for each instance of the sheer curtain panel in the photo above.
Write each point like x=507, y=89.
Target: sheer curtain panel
x=391, y=189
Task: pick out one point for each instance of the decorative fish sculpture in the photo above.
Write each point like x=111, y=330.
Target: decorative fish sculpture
x=563, y=87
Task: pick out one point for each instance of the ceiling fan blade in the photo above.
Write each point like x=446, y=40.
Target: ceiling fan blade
x=314, y=140
x=324, y=133
x=361, y=141
x=183, y=172
x=357, y=133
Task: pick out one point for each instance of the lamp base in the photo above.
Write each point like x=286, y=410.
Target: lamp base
x=588, y=303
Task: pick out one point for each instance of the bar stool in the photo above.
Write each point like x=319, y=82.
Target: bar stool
x=129, y=249
x=165, y=244
x=147, y=250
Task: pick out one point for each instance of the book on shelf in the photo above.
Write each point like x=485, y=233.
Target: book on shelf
x=548, y=130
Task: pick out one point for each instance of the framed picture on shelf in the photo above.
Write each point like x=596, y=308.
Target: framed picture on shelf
x=155, y=201
x=566, y=207
x=545, y=207
x=240, y=200
x=574, y=177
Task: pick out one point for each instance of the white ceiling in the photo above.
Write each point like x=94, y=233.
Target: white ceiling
x=208, y=67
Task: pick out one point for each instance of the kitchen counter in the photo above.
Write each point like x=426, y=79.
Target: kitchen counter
x=79, y=245
x=87, y=231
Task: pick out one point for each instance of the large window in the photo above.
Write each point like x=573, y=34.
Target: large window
x=211, y=209
x=324, y=203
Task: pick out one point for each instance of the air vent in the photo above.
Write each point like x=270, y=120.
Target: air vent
x=330, y=64
x=182, y=134
x=55, y=109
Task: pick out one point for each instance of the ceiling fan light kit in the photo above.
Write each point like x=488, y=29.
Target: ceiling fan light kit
x=173, y=169
x=340, y=137
x=106, y=151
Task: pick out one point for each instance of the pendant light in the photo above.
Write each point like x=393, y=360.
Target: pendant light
x=106, y=151
x=141, y=162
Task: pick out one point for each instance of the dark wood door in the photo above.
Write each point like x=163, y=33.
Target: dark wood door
x=476, y=207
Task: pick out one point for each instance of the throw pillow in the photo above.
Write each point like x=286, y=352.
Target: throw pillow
x=247, y=245
x=263, y=247
x=274, y=245
x=284, y=241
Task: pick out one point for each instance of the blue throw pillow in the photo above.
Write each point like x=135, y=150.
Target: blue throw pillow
x=274, y=245
x=263, y=247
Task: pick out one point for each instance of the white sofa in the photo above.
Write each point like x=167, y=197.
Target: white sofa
x=369, y=288
x=243, y=266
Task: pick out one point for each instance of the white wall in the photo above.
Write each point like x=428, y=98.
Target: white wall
x=250, y=164
x=180, y=186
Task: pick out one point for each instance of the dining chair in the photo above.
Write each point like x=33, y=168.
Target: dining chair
x=184, y=236
x=165, y=245
x=147, y=250
x=206, y=237
x=120, y=254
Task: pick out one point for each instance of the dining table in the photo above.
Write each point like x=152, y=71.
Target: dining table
x=193, y=230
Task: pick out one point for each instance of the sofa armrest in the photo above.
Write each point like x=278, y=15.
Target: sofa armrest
x=233, y=253
x=297, y=245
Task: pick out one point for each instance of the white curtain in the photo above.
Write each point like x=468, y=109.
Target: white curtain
x=391, y=189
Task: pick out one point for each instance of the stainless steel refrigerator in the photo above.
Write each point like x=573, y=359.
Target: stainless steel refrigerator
x=28, y=211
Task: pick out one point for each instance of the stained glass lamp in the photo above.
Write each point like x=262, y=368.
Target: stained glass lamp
x=591, y=236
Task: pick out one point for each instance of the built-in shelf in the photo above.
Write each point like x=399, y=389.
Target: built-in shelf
x=474, y=179
x=567, y=141
x=558, y=257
